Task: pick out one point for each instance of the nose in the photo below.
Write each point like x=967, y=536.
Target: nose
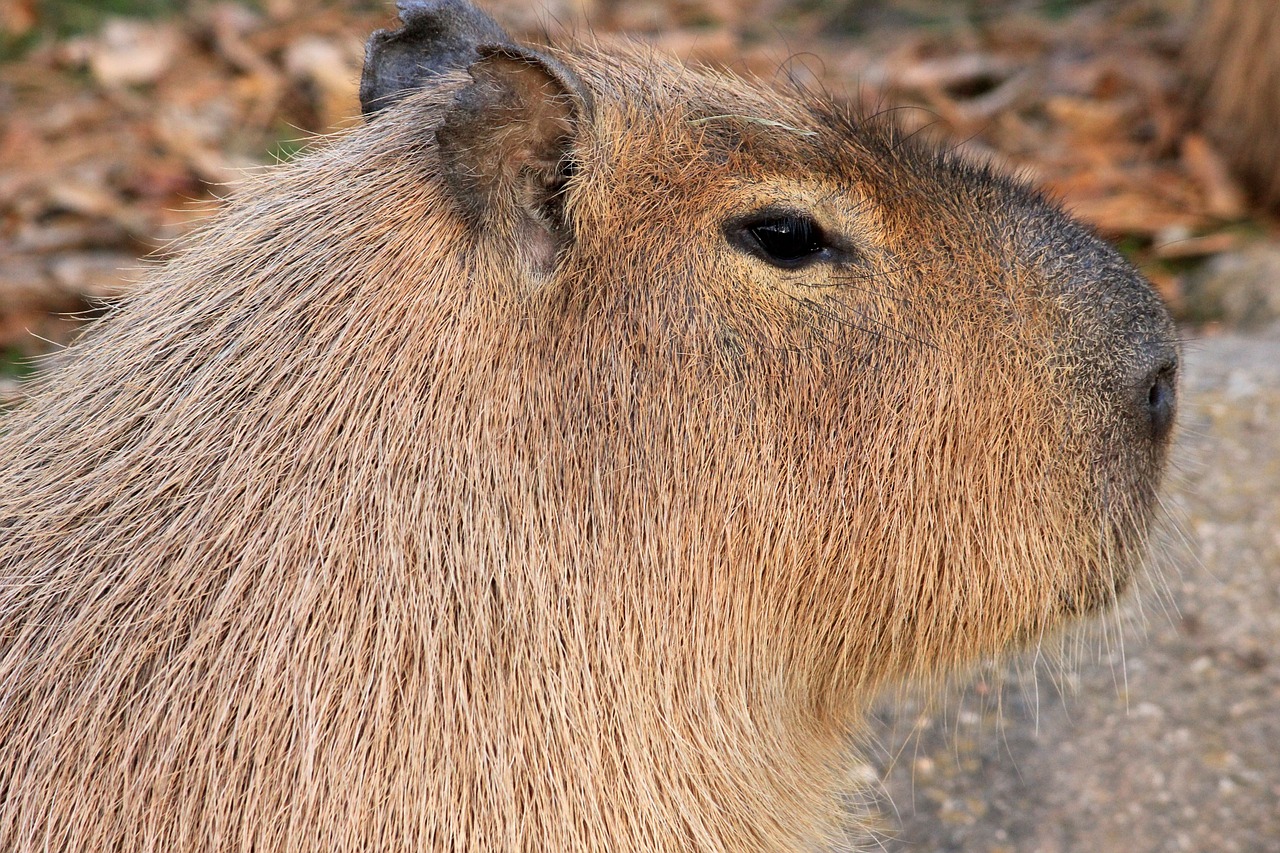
x=1156, y=395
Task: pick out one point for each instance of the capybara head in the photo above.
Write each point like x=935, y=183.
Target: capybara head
x=561, y=460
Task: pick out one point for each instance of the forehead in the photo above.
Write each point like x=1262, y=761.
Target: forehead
x=654, y=115
x=642, y=94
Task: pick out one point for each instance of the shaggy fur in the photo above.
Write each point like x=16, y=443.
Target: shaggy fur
x=1234, y=54
x=356, y=529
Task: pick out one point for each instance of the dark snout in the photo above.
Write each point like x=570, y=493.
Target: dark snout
x=1127, y=357
x=1155, y=395
x=1139, y=344
x=1121, y=335
x=1132, y=357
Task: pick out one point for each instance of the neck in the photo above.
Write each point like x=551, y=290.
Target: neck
x=573, y=724
x=590, y=758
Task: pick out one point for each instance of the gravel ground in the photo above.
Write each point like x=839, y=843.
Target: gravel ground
x=1164, y=736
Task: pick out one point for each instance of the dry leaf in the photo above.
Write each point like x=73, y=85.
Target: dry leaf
x=1223, y=196
x=131, y=53
x=333, y=74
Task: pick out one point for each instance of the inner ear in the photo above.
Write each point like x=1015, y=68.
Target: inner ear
x=506, y=145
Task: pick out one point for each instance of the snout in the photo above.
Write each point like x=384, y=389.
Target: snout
x=1154, y=399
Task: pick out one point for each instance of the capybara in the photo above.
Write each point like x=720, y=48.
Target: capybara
x=1234, y=57
x=559, y=461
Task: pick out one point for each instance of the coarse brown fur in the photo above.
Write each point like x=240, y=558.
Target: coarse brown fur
x=358, y=529
x=1234, y=56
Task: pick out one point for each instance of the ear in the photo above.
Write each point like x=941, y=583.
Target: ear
x=437, y=36
x=506, y=145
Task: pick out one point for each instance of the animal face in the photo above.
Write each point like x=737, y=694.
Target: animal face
x=943, y=402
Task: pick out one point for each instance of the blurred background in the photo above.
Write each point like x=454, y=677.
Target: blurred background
x=124, y=122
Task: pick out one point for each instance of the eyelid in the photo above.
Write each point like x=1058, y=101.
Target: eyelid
x=836, y=247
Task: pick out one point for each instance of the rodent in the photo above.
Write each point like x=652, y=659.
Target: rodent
x=559, y=461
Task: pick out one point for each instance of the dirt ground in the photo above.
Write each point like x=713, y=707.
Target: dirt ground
x=118, y=133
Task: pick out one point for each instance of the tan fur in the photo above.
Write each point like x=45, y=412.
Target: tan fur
x=351, y=532
x=1234, y=55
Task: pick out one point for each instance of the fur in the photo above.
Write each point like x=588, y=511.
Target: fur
x=354, y=529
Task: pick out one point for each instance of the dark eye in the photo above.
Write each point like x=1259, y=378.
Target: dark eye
x=787, y=240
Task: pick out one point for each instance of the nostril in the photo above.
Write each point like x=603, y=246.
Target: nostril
x=1162, y=400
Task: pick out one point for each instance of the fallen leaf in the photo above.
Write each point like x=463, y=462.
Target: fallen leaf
x=1223, y=196
x=132, y=53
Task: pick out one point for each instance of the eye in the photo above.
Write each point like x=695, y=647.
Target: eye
x=784, y=239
